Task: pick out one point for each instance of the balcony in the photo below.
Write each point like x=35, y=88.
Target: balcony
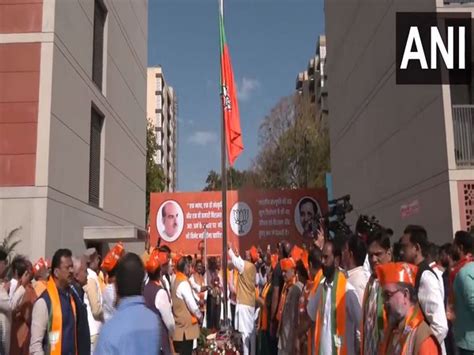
x=463, y=127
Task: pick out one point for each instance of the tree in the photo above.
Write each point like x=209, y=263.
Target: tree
x=8, y=245
x=236, y=179
x=294, y=146
x=155, y=177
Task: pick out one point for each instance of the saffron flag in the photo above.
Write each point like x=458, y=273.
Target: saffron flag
x=233, y=133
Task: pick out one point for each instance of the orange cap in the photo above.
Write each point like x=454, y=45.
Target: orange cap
x=287, y=264
x=274, y=260
x=253, y=253
x=39, y=265
x=112, y=257
x=396, y=272
x=296, y=253
x=156, y=260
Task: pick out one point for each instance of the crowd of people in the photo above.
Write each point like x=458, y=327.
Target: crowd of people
x=347, y=293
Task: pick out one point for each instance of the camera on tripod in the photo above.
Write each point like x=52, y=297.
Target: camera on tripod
x=335, y=219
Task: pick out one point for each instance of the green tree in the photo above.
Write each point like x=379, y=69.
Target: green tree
x=294, y=146
x=155, y=177
x=8, y=243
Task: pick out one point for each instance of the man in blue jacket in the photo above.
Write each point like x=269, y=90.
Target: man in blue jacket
x=134, y=328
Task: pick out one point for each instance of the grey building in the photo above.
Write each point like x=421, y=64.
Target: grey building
x=404, y=152
x=72, y=166
x=162, y=105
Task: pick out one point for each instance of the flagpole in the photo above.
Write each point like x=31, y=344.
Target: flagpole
x=224, y=190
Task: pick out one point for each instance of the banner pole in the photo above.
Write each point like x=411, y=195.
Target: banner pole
x=224, y=189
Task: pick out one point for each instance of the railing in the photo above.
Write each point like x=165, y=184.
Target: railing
x=463, y=126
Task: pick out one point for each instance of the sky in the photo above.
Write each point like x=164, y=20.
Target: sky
x=270, y=42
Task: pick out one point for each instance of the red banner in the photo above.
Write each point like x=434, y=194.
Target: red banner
x=254, y=217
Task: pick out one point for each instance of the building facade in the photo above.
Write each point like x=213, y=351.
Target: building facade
x=405, y=153
x=72, y=122
x=162, y=106
x=311, y=83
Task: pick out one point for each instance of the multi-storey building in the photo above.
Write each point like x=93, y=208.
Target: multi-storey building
x=311, y=83
x=162, y=114
x=72, y=122
x=405, y=153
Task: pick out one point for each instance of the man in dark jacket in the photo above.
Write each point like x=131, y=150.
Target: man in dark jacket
x=80, y=280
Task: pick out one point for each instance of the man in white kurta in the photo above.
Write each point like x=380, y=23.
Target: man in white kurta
x=245, y=309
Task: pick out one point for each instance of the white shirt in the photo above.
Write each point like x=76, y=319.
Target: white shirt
x=13, y=285
x=438, y=273
x=366, y=265
x=431, y=301
x=358, y=277
x=109, y=296
x=163, y=304
x=185, y=293
x=197, y=288
x=353, y=318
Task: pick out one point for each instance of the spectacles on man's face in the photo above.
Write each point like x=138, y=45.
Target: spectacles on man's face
x=387, y=295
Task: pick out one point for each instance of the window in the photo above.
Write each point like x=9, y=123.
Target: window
x=97, y=120
x=100, y=14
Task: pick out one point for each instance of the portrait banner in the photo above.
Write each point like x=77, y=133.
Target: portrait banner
x=254, y=217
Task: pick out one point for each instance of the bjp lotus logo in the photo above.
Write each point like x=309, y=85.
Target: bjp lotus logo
x=240, y=218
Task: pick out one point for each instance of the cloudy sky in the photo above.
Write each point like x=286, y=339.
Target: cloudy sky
x=270, y=41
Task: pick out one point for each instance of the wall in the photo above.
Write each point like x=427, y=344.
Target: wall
x=388, y=142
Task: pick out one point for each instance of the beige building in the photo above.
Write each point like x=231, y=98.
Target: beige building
x=311, y=83
x=72, y=123
x=162, y=114
x=405, y=153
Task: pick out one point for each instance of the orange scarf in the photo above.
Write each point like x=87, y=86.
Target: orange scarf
x=284, y=292
x=338, y=316
x=180, y=277
x=263, y=320
x=310, y=290
x=412, y=320
x=55, y=324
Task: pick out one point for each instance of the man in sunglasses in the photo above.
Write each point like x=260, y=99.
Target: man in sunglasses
x=407, y=331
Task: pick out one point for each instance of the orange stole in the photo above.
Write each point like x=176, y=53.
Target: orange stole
x=182, y=277
x=263, y=318
x=55, y=324
x=284, y=292
x=413, y=319
x=310, y=290
x=338, y=309
x=40, y=287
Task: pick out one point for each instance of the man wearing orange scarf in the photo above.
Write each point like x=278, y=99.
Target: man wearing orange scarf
x=373, y=314
x=305, y=331
x=185, y=309
x=245, y=309
x=53, y=325
x=287, y=313
x=334, y=308
x=407, y=333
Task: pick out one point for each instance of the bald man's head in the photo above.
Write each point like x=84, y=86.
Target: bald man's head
x=170, y=218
